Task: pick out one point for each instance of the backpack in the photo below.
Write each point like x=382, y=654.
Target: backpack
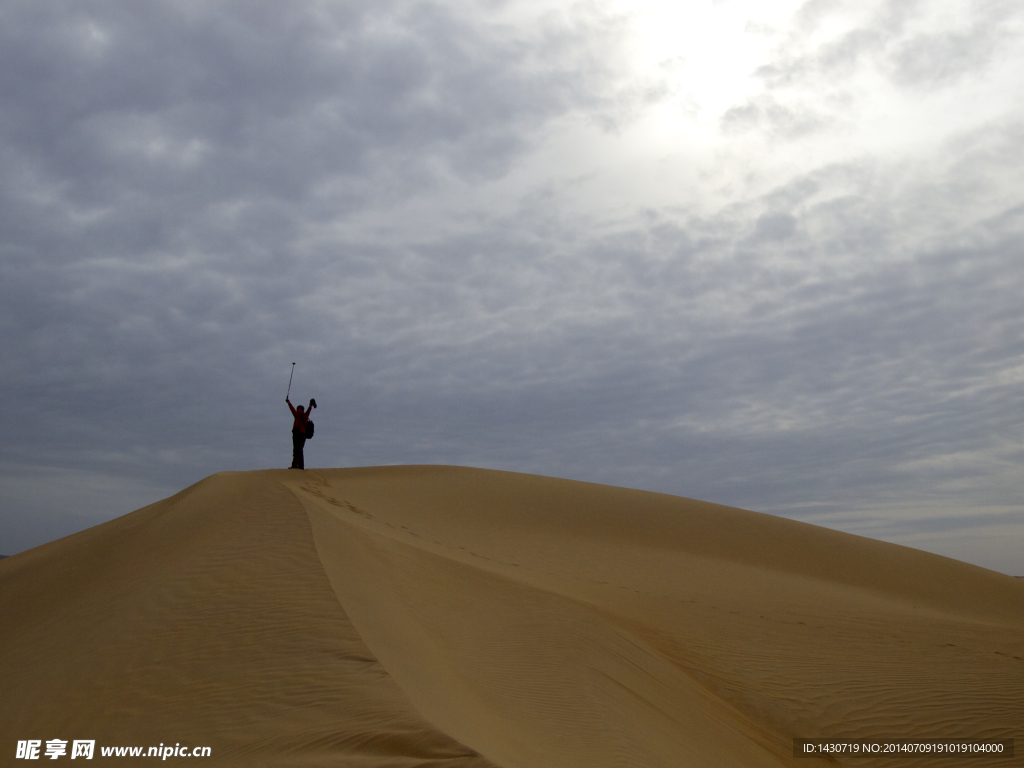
x=309, y=430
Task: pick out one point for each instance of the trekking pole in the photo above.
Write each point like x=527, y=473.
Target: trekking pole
x=290, y=383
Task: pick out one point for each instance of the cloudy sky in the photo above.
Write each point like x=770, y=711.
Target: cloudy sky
x=766, y=253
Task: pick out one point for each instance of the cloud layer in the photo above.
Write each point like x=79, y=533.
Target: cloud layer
x=194, y=195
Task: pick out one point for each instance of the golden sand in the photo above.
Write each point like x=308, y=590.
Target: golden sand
x=443, y=616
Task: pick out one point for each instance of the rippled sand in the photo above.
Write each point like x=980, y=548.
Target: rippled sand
x=443, y=616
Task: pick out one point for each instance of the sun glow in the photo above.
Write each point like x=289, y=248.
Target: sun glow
x=705, y=53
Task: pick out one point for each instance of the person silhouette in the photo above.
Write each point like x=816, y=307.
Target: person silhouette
x=299, y=431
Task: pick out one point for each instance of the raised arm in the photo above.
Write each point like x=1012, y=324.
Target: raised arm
x=291, y=407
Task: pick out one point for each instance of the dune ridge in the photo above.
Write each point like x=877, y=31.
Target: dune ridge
x=462, y=617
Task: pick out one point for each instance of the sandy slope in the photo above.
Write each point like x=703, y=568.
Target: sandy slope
x=443, y=616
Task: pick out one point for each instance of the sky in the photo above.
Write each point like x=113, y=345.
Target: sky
x=766, y=254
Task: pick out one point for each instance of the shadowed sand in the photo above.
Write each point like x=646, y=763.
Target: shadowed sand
x=442, y=616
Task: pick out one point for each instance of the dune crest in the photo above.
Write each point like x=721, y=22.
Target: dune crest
x=459, y=617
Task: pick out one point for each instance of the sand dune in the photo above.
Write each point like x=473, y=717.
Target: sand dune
x=442, y=616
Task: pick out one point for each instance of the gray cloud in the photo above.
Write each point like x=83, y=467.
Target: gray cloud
x=193, y=106
x=835, y=58
x=778, y=121
x=891, y=43
x=936, y=60
x=185, y=200
x=165, y=170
